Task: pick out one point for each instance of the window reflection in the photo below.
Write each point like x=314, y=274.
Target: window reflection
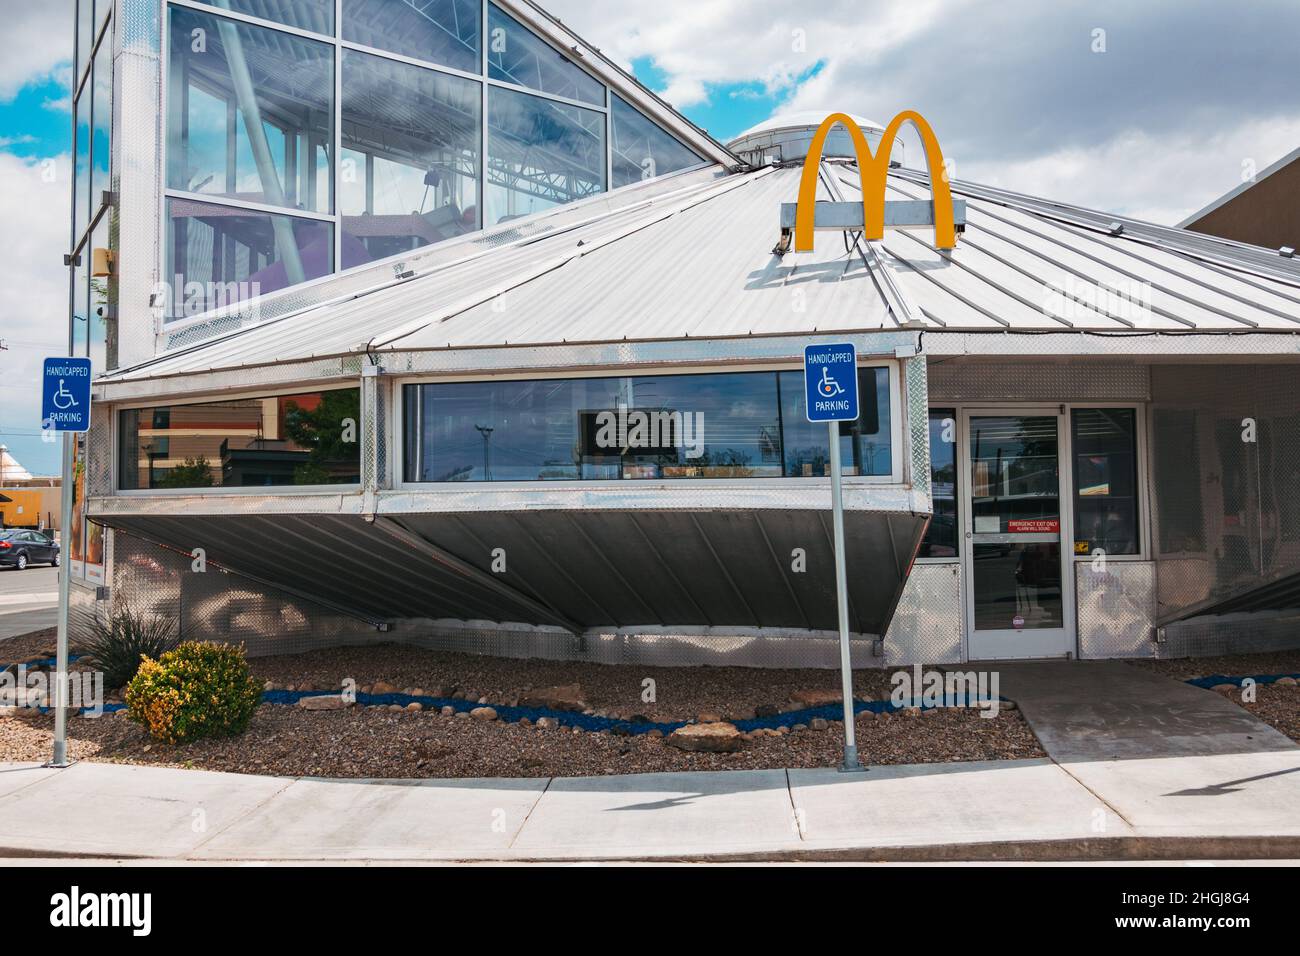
x=308, y=439
x=941, y=538
x=1105, y=480
x=742, y=425
x=410, y=157
x=102, y=91
x=437, y=31
x=314, y=15
x=217, y=255
x=251, y=113
x=642, y=150
x=540, y=154
x=517, y=55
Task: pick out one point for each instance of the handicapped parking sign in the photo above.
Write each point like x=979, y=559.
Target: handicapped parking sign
x=830, y=379
x=65, y=395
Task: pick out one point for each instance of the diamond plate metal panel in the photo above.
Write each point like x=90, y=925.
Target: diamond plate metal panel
x=916, y=401
x=954, y=380
x=1116, y=609
x=927, y=624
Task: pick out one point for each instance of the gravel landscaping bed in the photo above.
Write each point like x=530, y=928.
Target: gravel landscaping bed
x=26, y=647
x=377, y=742
x=1277, y=705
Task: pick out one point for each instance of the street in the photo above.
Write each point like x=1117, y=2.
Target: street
x=29, y=600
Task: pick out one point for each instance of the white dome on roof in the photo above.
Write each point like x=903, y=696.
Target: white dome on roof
x=787, y=138
x=802, y=119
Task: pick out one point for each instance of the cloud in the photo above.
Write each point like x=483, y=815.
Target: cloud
x=33, y=294
x=38, y=45
x=1146, y=108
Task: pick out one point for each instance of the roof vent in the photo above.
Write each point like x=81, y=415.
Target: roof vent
x=1117, y=229
x=1286, y=252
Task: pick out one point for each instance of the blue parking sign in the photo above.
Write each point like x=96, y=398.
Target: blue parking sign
x=65, y=395
x=830, y=382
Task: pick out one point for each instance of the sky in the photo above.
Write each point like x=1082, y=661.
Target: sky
x=1145, y=108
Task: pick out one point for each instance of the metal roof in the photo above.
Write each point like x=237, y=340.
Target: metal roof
x=696, y=262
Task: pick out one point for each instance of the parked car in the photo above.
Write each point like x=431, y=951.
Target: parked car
x=21, y=548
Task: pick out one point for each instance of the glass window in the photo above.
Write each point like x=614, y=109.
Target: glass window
x=217, y=255
x=309, y=439
x=642, y=150
x=314, y=15
x=80, y=305
x=1105, y=480
x=669, y=426
x=439, y=31
x=864, y=444
x=85, y=36
x=103, y=122
x=81, y=168
x=409, y=173
x=540, y=154
x=251, y=113
x=517, y=55
x=941, y=538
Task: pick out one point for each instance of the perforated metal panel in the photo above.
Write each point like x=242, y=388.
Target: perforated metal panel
x=927, y=625
x=1231, y=634
x=1116, y=609
x=957, y=380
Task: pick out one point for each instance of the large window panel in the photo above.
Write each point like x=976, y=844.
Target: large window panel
x=941, y=538
x=81, y=166
x=85, y=35
x=865, y=445
x=102, y=117
x=1105, y=480
x=541, y=154
x=251, y=113
x=410, y=160
x=307, y=439
x=517, y=55
x=437, y=31
x=314, y=15
x=733, y=425
x=642, y=150
x=217, y=255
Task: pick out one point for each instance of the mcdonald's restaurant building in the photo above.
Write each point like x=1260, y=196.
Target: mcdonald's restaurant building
x=436, y=326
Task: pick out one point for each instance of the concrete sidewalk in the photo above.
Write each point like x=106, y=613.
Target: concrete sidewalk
x=1239, y=805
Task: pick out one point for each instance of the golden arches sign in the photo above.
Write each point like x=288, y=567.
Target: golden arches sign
x=874, y=173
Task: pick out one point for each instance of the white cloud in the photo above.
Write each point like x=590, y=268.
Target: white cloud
x=38, y=44
x=33, y=290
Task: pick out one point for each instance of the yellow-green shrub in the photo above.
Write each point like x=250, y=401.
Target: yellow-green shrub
x=200, y=689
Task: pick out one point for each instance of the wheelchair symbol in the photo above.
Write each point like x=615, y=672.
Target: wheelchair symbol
x=63, y=398
x=827, y=386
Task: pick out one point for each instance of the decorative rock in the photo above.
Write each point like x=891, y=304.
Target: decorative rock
x=414, y=705
x=767, y=710
x=709, y=718
x=269, y=685
x=463, y=713
x=656, y=732
x=483, y=713
x=382, y=687
x=716, y=737
x=816, y=697
x=395, y=708
x=913, y=711
x=564, y=697
x=324, y=703
x=547, y=723
x=482, y=700
x=1286, y=681
x=1225, y=688
x=798, y=727
x=818, y=723
x=525, y=722
x=447, y=710
x=1007, y=705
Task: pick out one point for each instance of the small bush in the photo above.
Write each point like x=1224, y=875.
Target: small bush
x=199, y=689
x=116, y=646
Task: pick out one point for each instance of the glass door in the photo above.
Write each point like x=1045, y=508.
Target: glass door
x=1018, y=604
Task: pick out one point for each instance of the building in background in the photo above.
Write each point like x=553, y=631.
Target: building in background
x=427, y=322
x=26, y=500
x=1262, y=211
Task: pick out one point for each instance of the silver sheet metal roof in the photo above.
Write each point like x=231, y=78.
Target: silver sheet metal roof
x=696, y=262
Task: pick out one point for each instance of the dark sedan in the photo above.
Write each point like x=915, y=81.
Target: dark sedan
x=21, y=548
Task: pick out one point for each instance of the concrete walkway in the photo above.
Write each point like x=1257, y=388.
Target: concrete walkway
x=1224, y=806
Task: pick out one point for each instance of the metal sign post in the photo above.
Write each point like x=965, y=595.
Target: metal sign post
x=65, y=407
x=831, y=395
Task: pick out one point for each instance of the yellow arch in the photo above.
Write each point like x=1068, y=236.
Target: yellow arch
x=873, y=171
